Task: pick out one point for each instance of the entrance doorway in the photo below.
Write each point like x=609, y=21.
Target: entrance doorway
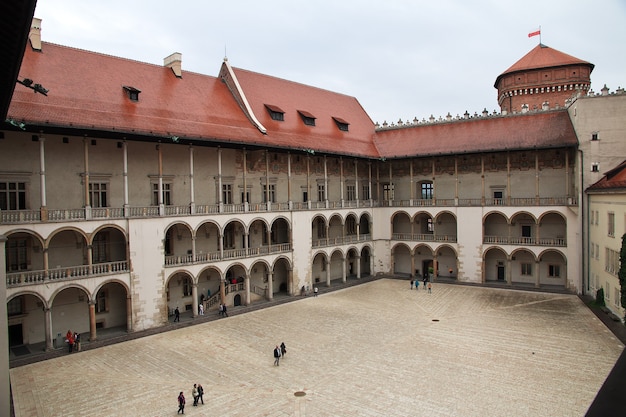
x=500, y=272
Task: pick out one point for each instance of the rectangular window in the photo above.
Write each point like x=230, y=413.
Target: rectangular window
x=611, y=225
x=351, y=191
x=592, y=217
x=98, y=194
x=594, y=136
x=616, y=300
x=597, y=251
x=427, y=190
x=15, y=307
x=167, y=194
x=271, y=192
x=186, y=287
x=320, y=192
x=99, y=248
x=305, y=196
x=12, y=195
x=527, y=269
x=101, y=301
x=245, y=197
x=227, y=193
x=554, y=271
x=526, y=230
x=597, y=217
x=366, y=192
x=593, y=252
x=388, y=192
x=430, y=227
x=17, y=255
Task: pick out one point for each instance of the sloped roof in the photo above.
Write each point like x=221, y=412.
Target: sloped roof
x=542, y=56
x=540, y=130
x=615, y=179
x=86, y=91
x=323, y=105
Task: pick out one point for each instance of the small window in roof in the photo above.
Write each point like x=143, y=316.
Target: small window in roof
x=307, y=118
x=132, y=92
x=341, y=124
x=276, y=113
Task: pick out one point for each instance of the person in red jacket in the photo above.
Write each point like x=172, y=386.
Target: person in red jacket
x=69, y=337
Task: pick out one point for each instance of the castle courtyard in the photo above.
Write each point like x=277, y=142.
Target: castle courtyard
x=376, y=349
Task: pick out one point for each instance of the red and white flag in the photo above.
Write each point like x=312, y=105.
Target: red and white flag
x=534, y=33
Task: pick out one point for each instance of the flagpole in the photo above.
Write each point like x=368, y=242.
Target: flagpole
x=539, y=34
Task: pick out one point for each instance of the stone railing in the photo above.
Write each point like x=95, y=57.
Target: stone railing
x=525, y=241
x=15, y=279
x=228, y=254
x=64, y=215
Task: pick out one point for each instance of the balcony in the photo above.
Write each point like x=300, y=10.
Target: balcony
x=228, y=254
x=525, y=241
x=24, y=278
x=423, y=237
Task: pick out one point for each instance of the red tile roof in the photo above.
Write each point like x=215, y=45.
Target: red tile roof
x=86, y=91
x=542, y=56
x=612, y=180
x=323, y=105
x=540, y=130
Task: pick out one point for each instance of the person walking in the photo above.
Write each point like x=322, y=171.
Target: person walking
x=201, y=309
x=417, y=285
x=200, y=393
x=276, y=356
x=181, y=403
x=411, y=284
x=224, y=310
x=194, y=394
x=176, y=314
x=425, y=280
x=220, y=310
x=283, y=349
x=315, y=292
x=430, y=286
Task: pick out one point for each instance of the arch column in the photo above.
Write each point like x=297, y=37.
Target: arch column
x=92, y=321
x=247, y=285
x=412, y=265
x=270, y=285
x=328, y=272
x=129, y=314
x=290, y=281
x=194, y=299
x=48, y=328
x=509, y=277
x=536, y=273
x=343, y=272
x=358, y=266
x=222, y=290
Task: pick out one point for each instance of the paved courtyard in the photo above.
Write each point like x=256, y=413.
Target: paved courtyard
x=377, y=349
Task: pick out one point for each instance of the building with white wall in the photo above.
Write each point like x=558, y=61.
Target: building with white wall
x=131, y=189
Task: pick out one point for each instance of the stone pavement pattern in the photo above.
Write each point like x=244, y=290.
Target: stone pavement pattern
x=369, y=350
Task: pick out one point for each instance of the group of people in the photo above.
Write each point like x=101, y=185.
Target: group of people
x=427, y=285
x=279, y=352
x=197, y=393
x=73, y=341
x=223, y=311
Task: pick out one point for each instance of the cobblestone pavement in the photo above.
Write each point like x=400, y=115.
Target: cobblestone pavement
x=376, y=349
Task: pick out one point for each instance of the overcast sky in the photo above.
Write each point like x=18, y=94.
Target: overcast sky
x=400, y=58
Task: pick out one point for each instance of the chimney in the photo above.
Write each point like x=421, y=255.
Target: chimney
x=34, y=36
x=175, y=62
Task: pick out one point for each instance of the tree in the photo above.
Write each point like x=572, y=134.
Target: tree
x=622, y=271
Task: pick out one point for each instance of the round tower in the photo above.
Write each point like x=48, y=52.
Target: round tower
x=543, y=77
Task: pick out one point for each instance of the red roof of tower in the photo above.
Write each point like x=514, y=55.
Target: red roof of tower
x=542, y=56
x=612, y=180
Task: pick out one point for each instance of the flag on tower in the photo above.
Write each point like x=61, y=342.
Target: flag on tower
x=534, y=33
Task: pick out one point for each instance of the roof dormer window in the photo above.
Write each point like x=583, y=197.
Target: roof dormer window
x=307, y=118
x=276, y=113
x=341, y=124
x=132, y=92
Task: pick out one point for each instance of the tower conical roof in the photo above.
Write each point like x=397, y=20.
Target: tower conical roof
x=542, y=56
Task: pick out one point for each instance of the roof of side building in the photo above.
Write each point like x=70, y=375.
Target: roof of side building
x=541, y=130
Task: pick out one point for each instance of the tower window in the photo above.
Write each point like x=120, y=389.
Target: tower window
x=594, y=136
